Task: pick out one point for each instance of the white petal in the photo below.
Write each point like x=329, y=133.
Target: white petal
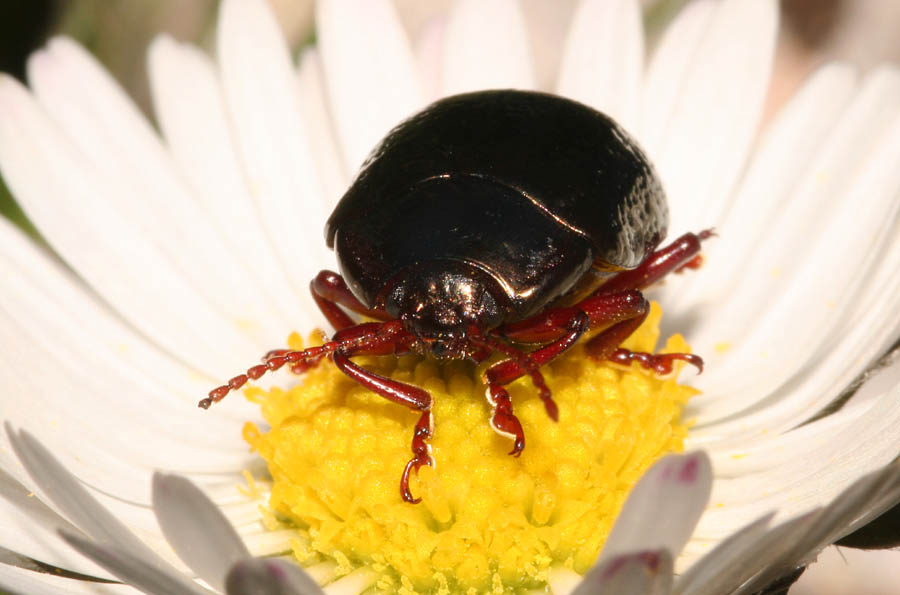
x=715, y=110
x=108, y=376
x=784, y=152
x=320, y=124
x=30, y=528
x=429, y=49
x=753, y=552
x=719, y=568
x=859, y=339
x=671, y=64
x=200, y=138
x=196, y=529
x=663, y=507
x=355, y=582
x=486, y=47
x=56, y=187
x=816, y=271
x=73, y=499
x=18, y=581
x=822, y=462
x=604, y=58
x=262, y=96
x=871, y=401
x=562, y=580
x=134, y=570
x=831, y=524
x=140, y=182
x=370, y=72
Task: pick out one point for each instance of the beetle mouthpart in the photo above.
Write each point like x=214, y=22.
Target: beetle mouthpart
x=439, y=302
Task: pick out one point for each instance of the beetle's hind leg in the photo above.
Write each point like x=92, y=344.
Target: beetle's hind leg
x=683, y=253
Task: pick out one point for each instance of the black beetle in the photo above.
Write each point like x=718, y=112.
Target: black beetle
x=489, y=219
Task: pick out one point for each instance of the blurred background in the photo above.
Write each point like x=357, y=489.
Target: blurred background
x=861, y=32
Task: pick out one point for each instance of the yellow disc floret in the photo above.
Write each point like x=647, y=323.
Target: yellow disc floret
x=487, y=521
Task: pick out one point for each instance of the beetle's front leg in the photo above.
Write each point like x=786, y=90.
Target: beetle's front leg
x=405, y=394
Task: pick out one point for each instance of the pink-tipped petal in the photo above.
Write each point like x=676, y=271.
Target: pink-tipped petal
x=663, y=507
x=645, y=572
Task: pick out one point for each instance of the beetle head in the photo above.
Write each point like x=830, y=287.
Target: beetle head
x=440, y=302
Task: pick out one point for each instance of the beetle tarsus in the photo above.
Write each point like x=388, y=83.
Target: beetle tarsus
x=503, y=420
x=421, y=454
x=660, y=363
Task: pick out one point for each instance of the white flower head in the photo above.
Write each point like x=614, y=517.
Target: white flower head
x=188, y=253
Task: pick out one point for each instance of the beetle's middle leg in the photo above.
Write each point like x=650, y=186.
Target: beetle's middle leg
x=618, y=313
x=331, y=292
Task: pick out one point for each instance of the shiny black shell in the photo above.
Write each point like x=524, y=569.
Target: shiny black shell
x=532, y=188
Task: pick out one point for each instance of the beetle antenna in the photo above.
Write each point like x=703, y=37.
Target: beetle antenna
x=274, y=360
x=526, y=363
x=373, y=338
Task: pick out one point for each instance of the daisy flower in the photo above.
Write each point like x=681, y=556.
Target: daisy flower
x=180, y=256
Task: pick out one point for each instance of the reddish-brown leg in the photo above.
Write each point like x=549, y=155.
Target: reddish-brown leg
x=405, y=394
x=371, y=338
x=571, y=322
x=681, y=253
x=620, y=313
x=618, y=306
x=503, y=420
x=330, y=292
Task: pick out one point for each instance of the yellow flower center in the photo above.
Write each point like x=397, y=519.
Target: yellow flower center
x=488, y=522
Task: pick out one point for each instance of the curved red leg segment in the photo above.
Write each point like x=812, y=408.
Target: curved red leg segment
x=621, y=312
x=680, y=253
x=405, y=394
x=370, y=338
x=542, y=327
x=661, y=363
x=331, y=292
x=606, y=344
x=421, y=454
x=413, y=397
x=528, y=366
x=503, y=420
x=575, y=325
